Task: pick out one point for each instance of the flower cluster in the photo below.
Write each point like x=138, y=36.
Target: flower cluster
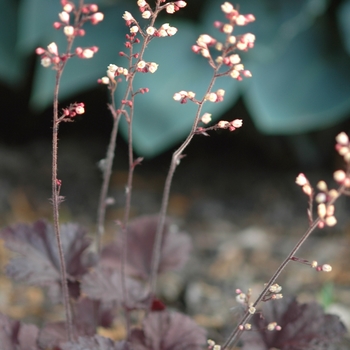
x=217, y=96
x=241, y=42
x=89, y=13
x=51, y=56
x=273, y=293
x=72, y=111
x=170, y=7
x=232, y=126
x=184, y=96
x=212, y=345
x=325, y=198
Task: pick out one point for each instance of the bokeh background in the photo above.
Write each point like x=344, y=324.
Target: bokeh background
x=233, y=192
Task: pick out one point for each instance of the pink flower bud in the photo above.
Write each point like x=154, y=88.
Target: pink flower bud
x=181, y=4
x=40, y=51
x=93, y=8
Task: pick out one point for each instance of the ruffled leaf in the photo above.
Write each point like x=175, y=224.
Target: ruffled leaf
x=168, y=331
x=15, y=335
x=304, y=326
x=37, y=260
x=175, y=248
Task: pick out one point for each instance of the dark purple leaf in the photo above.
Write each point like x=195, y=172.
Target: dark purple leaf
x=141, y=232
x=37, y=261
x=15, y=335
x=105, y=284
x=94, y=343
x=52, y=335
x=304, y=327
x=87, y=316
x=168, y=331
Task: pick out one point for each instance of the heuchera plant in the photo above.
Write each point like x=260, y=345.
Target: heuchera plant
x=118, y=281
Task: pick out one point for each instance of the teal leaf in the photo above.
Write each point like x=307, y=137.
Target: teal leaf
x=301, y=88
x=36, y=18
x=159, y=121
x=344, y=23
x=11, y=63
x=80, y=75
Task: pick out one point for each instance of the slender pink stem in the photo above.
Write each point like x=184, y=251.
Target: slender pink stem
x=175, y=161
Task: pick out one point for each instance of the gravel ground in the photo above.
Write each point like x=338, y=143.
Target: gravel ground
x=243, y=222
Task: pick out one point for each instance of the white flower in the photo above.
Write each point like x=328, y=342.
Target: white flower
x=249, y=37
x=152, y=67
x=170, y=8
x=68, y=7
x=46, y=62
x=234, y=59
x=162, y=33
x=220, y=92
x=146, y=14
x=171, y=31
x=206, y=118
x=205, y=39
x=227, y=7
x=141, y=3
x=301, y=180
x=326, y=268
x=227, y=28
x=165, y=26
x=127, y=16
x=234, y=74
x=339, y=175
x=342, y=139
x=150, y=30
x=88, y=53
x=112, y=68
x=141, y=64
x=64, y=17
x=134, y=29
x=105, y=80
x=237, y=123
x=241, y=20
x=52, y=48
x=232, y=39
x=80, y=110
x=68, y=30
x=212, y=97
x=177, y=96
x=241, y=45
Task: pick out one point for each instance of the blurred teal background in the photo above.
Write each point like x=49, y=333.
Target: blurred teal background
x=300, y=66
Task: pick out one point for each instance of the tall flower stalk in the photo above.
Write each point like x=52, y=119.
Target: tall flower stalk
x=52, y=57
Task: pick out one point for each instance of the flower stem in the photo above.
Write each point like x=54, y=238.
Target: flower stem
x=56, y=186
